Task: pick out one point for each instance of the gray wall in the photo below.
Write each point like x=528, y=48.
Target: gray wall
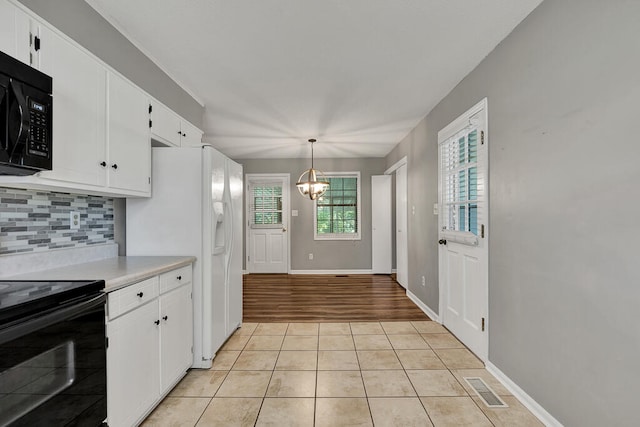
x=328, y=255
x=82, y=23
x=563, y=94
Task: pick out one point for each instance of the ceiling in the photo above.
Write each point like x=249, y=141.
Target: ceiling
x=357, y=75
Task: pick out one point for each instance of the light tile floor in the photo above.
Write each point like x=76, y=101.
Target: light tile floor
x=338, y=374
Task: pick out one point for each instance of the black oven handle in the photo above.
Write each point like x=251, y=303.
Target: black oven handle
x=63, y=313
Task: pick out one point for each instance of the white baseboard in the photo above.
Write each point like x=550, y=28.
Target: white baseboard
x=394, y=271
x=245, y=272
x=422, y=306
x=331, y=272
x=536, y=409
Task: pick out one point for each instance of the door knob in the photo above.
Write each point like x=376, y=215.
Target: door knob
x=442, y=241
x=284, y=229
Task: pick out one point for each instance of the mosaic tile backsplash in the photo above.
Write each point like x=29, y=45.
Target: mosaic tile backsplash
x=35, y=221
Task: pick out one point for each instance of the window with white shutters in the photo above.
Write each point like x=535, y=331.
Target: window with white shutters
x=462, y=178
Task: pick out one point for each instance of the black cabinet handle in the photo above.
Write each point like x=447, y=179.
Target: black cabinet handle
x=165, y=318
x=179, y=277
x=442, y=241
x=157, y=322
x=103, y=164
x=184, y=134
x=115, y=166
x=179, y=133
x=140, y=294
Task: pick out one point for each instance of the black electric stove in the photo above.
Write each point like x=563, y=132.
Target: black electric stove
x=52, y=353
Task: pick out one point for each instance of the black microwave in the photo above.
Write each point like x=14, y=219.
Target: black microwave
x=25, y=118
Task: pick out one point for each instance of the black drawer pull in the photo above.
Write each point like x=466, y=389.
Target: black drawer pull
x=115, y=166
x=157, y=322
x=140, y=294
x=165, y=318
x=103, y=164
x=179, y=277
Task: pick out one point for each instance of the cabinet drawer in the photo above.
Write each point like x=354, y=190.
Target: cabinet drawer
x=174, y=278
x=132, y=296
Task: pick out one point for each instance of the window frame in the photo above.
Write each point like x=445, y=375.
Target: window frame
x=342, y=236
x=251, y=208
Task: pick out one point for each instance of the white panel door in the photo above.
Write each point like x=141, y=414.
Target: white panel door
x=267, y=212
x=402, y=252
x=381, y=224
x=463, y=213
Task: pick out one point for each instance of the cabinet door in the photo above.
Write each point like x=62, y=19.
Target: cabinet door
x=191, y=135
x=14, y=31
x=129, y=145
x=133, y=364
x=79, y=101
x=165, y=125
x=176, y=335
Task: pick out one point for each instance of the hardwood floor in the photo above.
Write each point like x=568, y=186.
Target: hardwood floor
x=326, y=298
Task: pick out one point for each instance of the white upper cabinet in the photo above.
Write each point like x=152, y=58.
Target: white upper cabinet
x=168, y=128
x=165, y=125
x=79, y=93
x=101, y=121
x=14, y=32
x=191, y=135
x=129, y=163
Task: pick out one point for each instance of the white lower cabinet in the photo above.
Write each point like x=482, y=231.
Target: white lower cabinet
x=150, y=345
x=175, y=335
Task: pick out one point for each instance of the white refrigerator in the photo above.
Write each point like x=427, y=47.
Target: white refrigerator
x=196, y=209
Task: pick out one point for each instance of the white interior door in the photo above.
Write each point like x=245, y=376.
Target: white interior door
x=381, y=224
x=402, y=262
x=267, y=221
x=463, y=239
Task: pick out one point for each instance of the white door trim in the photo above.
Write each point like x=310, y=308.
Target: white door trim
x=391, y=170
x=286, y=215
x=444, y=134
x=396, y=165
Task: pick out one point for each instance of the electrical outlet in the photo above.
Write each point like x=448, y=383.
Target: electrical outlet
x=74, y=220
x=424, y=283
x=310, y=256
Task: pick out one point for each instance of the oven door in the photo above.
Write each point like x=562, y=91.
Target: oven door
x=53, y=368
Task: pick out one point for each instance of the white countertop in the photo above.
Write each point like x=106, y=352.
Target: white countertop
x=117, y=272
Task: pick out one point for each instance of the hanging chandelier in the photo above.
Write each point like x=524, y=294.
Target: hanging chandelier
x=312, y=183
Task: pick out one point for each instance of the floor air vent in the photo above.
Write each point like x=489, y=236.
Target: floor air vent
x=486, y=394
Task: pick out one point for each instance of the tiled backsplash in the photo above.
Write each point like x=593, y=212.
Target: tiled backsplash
x=33, y=221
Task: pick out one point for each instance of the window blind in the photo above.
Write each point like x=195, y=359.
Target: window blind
x=266, y=205
x=462, y=180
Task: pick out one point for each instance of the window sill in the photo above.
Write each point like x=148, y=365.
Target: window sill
x=337, y=237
